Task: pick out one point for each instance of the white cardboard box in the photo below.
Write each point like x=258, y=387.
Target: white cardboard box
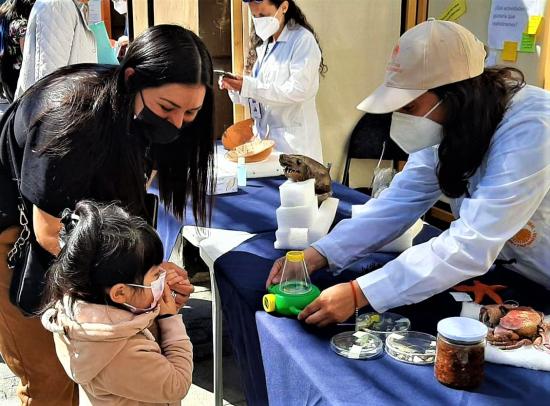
x=225, y=183
x=263, y=169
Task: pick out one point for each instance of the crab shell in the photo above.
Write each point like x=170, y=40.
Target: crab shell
x=525, y=323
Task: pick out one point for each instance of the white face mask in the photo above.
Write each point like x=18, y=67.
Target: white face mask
x=413, y=133
x=157, y=287
x=120, y=6
x=266, y=26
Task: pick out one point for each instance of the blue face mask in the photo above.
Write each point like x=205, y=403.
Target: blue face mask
x=155, y=128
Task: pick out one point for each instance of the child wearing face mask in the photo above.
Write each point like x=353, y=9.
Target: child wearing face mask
x=104, y=291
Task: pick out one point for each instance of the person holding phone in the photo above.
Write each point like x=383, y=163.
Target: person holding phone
x=97, y=132
x=281, y=78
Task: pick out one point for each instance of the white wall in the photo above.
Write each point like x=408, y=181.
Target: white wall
x=357, y=37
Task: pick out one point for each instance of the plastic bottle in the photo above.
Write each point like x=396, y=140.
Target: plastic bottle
x=241, y=171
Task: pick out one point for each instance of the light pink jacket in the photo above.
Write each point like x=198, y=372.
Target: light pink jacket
x=115, y=359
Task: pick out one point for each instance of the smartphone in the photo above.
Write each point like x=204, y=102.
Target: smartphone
x=224, y=73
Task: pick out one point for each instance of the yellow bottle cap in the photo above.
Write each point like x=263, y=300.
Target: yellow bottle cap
x=295, y=256
x=269, y=302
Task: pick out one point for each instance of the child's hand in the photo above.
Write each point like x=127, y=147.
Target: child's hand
x=178, y=282
x=167, y=303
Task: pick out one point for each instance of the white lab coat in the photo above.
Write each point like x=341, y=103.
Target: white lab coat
x=509, y=193
x=285, y=82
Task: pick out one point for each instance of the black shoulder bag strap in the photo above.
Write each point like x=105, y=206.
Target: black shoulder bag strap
x=19, y=245
x=26, y=258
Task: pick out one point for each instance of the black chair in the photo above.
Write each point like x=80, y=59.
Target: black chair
x=368, y=139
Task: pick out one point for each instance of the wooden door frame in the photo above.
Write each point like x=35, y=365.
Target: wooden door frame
x=413, y=12
x=545, y=41
x=239, y=46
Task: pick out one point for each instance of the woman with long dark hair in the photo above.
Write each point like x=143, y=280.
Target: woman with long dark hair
x=281, y=78
x=14, y=15
x=98, y=132
x=478, y=135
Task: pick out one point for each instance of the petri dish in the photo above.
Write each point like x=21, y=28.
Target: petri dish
x=382, y=324
x=412, y=347
x=356, y=345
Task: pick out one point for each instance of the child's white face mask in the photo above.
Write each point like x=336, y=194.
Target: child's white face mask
x=157, y=288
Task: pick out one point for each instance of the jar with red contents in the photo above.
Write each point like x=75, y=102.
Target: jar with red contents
x=460, y=352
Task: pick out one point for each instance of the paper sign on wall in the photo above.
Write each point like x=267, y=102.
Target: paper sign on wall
x=510, y=51
x=533, y=24
x=455, y=10
x=509, y=19
x=491, y=59
x=527, y=43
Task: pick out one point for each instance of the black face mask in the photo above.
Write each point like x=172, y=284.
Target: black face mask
x=155, y=128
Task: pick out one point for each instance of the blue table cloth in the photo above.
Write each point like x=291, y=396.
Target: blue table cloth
x=301, y=369
x=251, y=209
x=241, y=275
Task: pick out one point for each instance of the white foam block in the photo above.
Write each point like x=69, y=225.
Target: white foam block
x=357, y=209
x=297, y=217
x=297, y=193
x=325, y=217
x=405, y=241
x=291, y=239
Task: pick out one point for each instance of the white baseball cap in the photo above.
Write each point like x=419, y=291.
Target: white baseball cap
x=431, y=54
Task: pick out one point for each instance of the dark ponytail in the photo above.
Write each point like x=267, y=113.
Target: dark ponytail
x=474, y=108
x=102, y=245
x=293, y=17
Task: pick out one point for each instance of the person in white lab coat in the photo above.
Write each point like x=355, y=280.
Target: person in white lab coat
x=479, y=136
x=282, y=80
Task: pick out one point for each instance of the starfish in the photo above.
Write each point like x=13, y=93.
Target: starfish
x=480, y=290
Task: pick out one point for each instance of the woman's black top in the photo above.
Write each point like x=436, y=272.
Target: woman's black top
x=53, y=183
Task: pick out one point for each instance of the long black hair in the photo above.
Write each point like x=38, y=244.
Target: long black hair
x=474, y=108
x=293, y=17
x=104, y=245
x=13, y=9
x=96, y=103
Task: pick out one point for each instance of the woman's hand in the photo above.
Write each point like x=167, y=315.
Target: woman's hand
x=178, y=282
x=167, y=303
x=228, y=83
x=275, y=273
x=335, y=305
x=313, y=259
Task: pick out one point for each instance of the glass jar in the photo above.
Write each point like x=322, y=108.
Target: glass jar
x=460, y=352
